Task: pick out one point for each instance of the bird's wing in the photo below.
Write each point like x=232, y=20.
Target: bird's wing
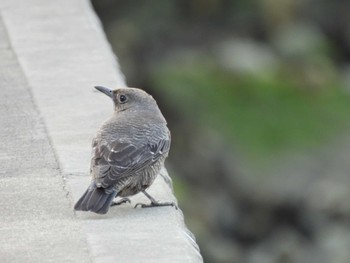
x=118, y=159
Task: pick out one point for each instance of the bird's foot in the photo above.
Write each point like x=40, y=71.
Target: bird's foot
x=155, y=204
x=121, y=201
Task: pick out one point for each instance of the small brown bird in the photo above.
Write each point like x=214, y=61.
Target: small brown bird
x=128, y=151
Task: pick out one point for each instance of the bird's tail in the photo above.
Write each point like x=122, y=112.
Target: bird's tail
x=96, y=199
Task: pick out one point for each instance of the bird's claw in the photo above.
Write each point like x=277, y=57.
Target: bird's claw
x=122, y=201
x=155, y=204
x=139, y=204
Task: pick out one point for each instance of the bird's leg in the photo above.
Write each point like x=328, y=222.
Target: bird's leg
x=154, y=202
x=121, y=201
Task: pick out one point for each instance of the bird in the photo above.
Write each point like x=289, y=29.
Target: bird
x=128, y=152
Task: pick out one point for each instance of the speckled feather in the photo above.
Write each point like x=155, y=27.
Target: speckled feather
x=137, y=149
x=127, y=152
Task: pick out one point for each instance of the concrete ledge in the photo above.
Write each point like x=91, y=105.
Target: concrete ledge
x=61, y=52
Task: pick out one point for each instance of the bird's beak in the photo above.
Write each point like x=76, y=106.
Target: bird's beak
x=104, y=90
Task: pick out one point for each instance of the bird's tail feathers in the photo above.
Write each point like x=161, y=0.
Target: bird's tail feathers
x=95, y=199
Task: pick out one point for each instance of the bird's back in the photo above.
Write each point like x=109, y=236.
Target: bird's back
x=129, y=147
x=128, y=150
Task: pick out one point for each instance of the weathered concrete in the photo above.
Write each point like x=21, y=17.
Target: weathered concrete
x=36, y=221
x=55, y=53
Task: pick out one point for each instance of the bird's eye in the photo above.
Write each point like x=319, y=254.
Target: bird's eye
x=122, y=98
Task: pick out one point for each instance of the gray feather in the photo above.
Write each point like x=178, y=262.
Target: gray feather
x=128, y=150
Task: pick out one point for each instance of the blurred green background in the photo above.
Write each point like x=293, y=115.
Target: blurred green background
x=257, y=96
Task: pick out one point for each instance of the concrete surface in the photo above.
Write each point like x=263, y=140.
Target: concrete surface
x=51, y=55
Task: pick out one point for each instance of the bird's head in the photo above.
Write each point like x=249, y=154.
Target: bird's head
x=125, y=99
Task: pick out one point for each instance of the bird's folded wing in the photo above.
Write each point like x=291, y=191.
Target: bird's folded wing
x=118, y=159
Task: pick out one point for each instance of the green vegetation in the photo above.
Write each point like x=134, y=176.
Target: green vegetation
x=264, y=114
x=257, y=97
